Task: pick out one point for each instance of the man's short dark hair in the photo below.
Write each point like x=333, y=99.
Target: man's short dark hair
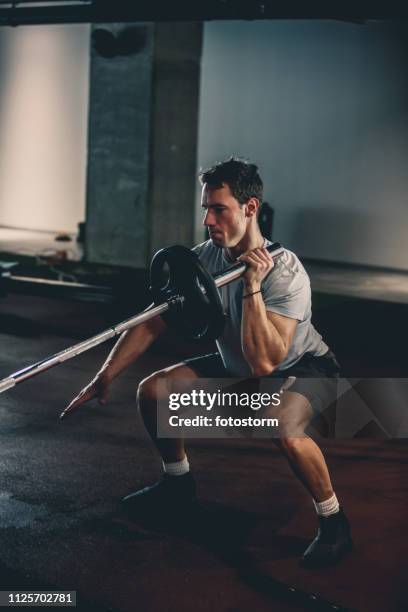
x=241, y=177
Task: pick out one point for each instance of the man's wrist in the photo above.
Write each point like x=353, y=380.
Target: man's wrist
x=251, y=286
x=106, y=373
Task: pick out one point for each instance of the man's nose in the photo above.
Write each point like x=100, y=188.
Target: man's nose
x=208, y=219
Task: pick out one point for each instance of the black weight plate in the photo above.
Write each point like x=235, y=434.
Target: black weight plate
x=196, y=314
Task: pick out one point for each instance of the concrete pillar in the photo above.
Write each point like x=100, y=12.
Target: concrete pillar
x=142, y=140
x=174, y=135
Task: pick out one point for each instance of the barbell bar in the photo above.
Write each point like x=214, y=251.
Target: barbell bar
x=220, y=279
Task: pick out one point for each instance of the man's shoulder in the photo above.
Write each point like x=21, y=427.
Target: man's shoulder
x=210, y=256
x=288, y=264
x=206, y=249
x=202, y=245
x=286, y=289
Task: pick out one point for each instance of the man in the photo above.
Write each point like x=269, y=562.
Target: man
x=268, y=333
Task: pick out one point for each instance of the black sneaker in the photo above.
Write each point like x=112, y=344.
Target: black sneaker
x=332, y=542
x=168, y=493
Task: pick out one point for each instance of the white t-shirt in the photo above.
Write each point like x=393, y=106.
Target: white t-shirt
x=286, y=291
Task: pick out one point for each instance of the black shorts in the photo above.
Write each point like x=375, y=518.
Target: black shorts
x=315, y=378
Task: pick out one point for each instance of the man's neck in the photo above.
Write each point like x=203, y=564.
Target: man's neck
x=250, y=241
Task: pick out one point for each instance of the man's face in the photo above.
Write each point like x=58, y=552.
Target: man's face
x=225, y=218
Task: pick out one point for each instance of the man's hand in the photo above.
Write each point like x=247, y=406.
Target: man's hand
x=131, y=344
x=98, y=388
x=260, y=263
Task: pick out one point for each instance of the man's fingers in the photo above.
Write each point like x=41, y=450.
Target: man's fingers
x=76, y=403
x=103, y=395
x=80, y=399
x=263, y=255
x=69, y=409
x=263, y=258
x=103, y=399
x=259, y=263
x=267, y=256
x=248, y=257
x=256, y=258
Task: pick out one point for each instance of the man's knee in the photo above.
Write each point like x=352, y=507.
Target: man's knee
x=292, y=445
x=150, y=391
x=147, y=392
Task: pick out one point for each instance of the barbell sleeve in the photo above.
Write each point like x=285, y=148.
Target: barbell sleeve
x=224, y=277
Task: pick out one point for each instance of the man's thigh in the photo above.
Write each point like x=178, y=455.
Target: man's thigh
x=205, y=366
x=180, y=376
x=179, y=370
x=154, y=386
x=208, y=366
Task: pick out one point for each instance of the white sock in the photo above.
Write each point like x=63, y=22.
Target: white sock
x=327, y=507
x=178, y=468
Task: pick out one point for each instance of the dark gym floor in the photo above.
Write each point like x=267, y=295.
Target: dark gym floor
x=62, y=526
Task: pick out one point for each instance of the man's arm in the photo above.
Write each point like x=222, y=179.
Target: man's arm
x=265, y=336
x=130, y=346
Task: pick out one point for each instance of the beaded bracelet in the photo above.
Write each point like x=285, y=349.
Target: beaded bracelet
x=249, y=294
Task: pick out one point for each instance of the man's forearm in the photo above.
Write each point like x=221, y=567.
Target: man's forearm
x=131, y=345
x=262, y=345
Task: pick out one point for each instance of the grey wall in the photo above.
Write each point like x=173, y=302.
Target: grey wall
x=321, y=106
x=43, y=126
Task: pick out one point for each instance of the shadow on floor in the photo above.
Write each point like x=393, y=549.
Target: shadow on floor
x=223, y=531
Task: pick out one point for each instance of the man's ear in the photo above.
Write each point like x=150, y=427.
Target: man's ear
x=252, y=207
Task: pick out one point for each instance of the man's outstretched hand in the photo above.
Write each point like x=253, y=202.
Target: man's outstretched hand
x=98, y=389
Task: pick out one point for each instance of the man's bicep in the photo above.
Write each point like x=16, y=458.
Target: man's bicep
x=286, y=326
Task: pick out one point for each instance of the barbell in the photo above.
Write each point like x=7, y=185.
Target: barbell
x=186, y=297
